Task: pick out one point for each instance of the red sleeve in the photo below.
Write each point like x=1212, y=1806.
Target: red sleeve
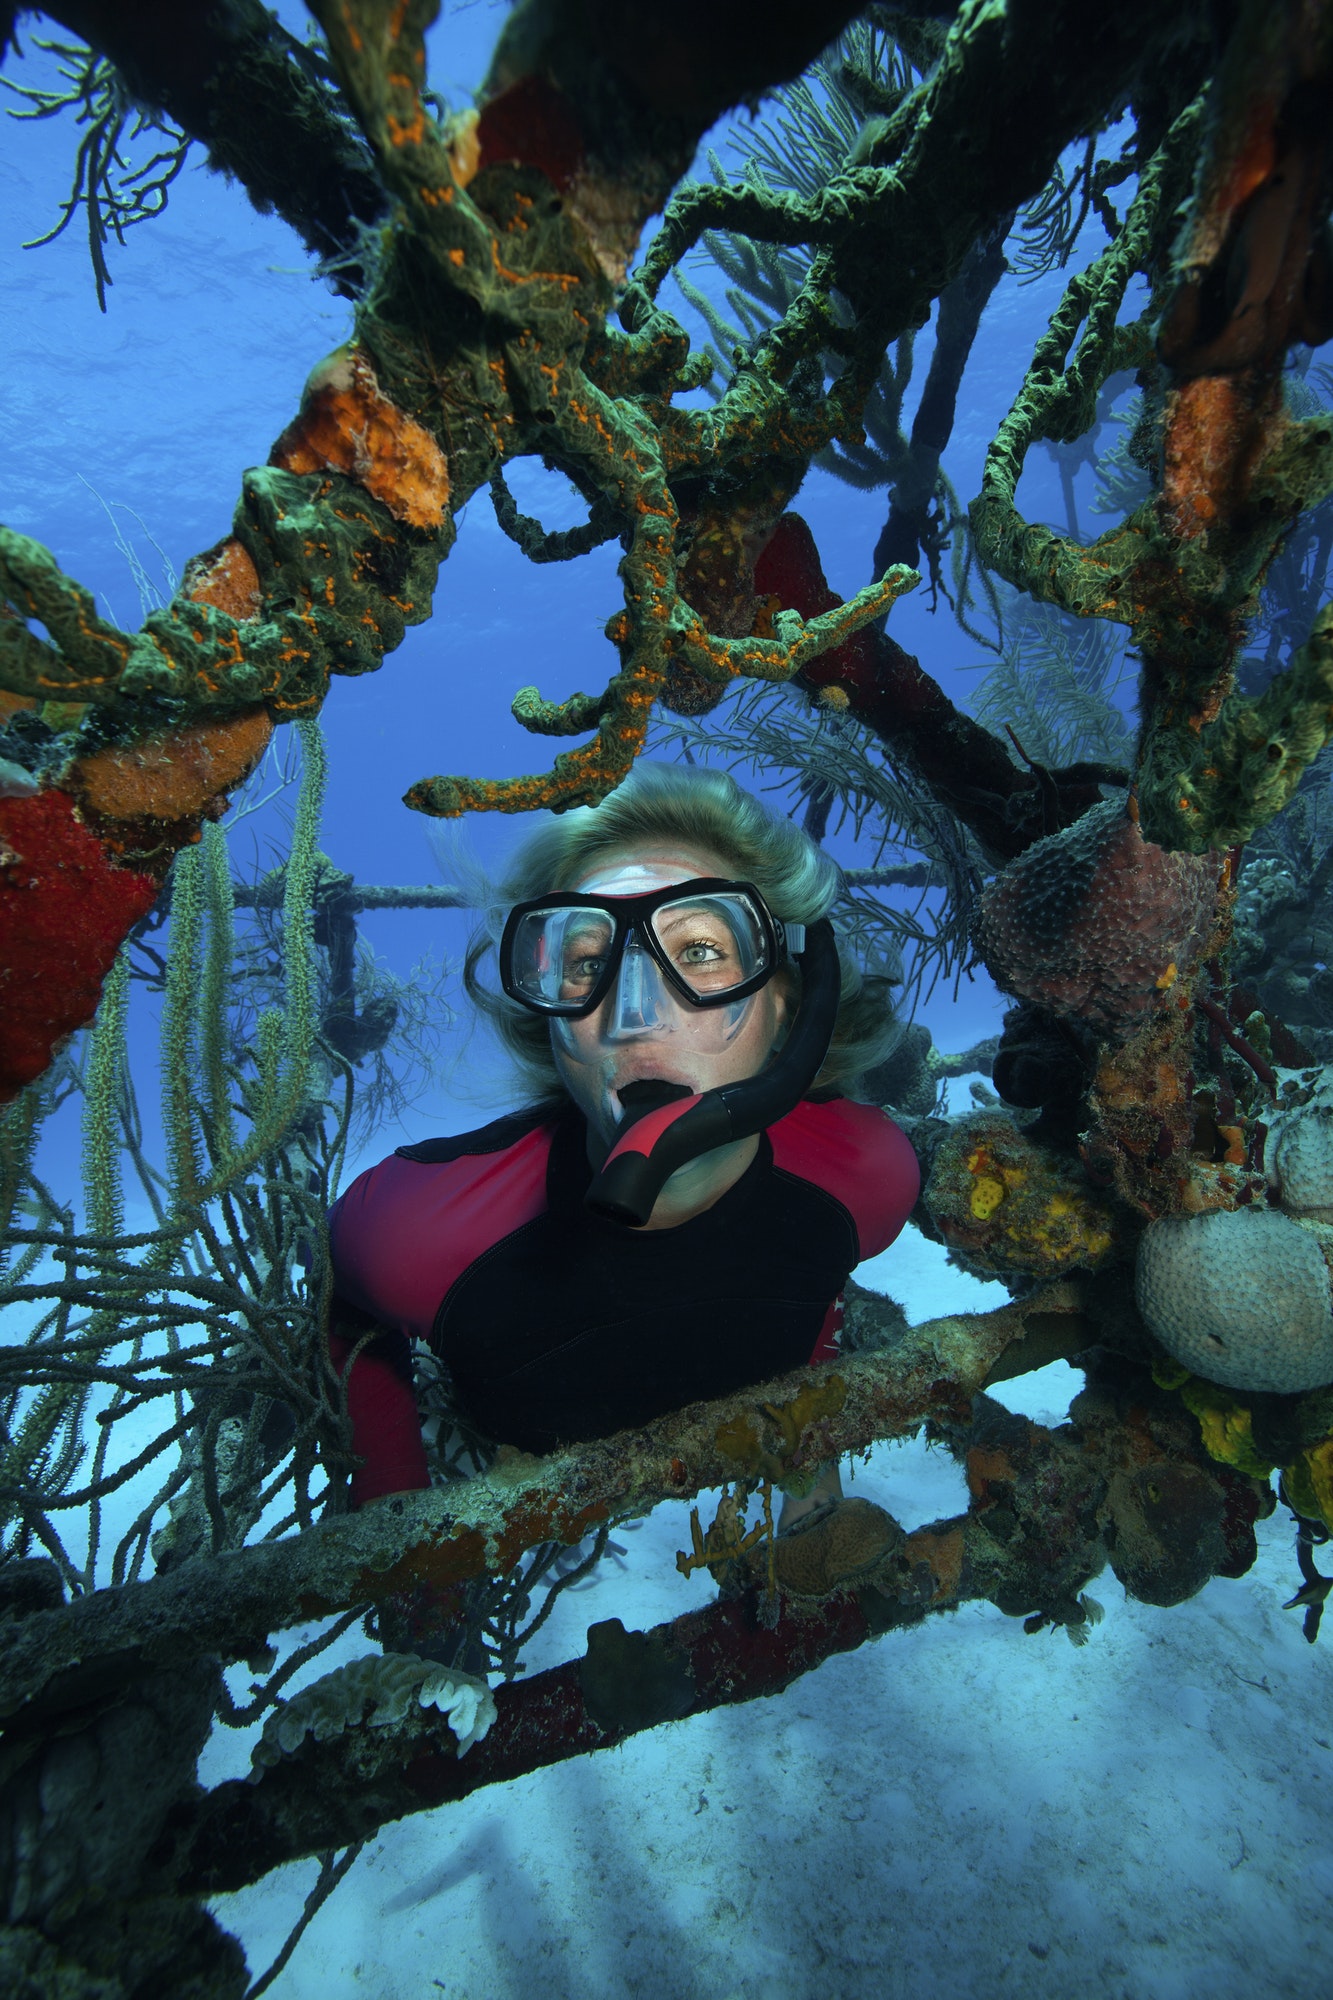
x=403, y=1232
x=399, y=1236
x=857, y=1154
x=386, y=1426
x=826, y=1348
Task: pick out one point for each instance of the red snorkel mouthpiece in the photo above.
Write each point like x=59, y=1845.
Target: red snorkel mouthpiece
x=666, y=1136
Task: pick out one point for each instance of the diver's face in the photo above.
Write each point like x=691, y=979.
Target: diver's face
x=666, y=1038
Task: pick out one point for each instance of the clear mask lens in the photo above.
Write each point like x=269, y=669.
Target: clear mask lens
x=559, y=955
x=712, y=942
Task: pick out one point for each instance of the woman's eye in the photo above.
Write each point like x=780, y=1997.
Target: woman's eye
x=702, y=952
x=584, y=969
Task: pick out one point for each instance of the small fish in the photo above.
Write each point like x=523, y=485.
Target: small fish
x=15, y=782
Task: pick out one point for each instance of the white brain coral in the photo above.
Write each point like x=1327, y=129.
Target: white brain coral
x=1240, y=1296
x=382, y=1690
x=1298, y=1154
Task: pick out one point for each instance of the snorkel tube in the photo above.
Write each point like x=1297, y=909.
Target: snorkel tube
x=668, y=1135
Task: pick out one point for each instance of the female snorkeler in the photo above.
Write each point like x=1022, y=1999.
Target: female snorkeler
x=676, y=1213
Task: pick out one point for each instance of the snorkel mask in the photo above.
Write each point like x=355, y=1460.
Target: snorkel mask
x=686, y=953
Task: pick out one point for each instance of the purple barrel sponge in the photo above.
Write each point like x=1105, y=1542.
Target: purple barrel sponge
x=1095, y=923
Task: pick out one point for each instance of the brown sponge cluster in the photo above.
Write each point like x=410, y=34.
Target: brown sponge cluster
x=1096, y=923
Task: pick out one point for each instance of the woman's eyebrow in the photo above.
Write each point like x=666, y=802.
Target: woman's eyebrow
x=687, y=913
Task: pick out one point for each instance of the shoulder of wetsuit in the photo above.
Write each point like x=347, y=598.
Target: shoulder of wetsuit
x=858, y=1155
x=496, y=1137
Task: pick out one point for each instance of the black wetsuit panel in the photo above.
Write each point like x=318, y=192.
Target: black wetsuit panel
x=573, y=1326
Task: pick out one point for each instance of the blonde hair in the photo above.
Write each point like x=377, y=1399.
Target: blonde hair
x=683, y=804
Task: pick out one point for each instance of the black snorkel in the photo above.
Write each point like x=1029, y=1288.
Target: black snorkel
x=666, y=1136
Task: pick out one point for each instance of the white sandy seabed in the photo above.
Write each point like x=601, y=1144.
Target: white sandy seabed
x=956, y=1810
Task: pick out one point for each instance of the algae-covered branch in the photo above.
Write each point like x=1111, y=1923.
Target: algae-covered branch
x=486, y=327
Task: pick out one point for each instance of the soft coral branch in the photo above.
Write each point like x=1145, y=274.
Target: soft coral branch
x=966, y=767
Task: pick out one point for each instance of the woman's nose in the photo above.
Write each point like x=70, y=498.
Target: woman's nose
x=638, y=1005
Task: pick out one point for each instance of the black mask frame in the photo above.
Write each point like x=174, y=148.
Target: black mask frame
x=630, y=917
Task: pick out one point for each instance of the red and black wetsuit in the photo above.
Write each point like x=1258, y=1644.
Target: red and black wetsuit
x=556, y=1324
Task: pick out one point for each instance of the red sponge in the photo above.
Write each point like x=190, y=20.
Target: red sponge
x=65, y=908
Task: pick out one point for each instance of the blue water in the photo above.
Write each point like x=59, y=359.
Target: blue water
x=960, y=1810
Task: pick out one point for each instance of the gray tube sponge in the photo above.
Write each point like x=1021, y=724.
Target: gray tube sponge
x=383, y=1690
x=1240, y=1296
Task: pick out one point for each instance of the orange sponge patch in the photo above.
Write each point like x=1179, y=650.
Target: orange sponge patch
x=346, y=425
x=175, y=776
x=225, y=577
